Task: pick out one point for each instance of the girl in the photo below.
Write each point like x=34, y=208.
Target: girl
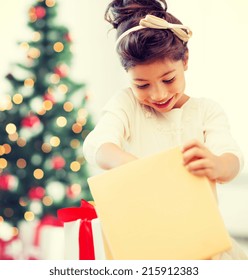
x=155, y=113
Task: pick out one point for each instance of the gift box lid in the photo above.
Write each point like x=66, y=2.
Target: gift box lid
x=153, y=208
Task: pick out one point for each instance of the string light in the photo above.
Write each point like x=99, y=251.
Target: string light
x=21, y=142
x=38, y=173
x=29, y=83
x=10, y=128
x=77, y=128
x=75, y=143
x=50, y=3
x=68, y=106
x=41, y=112
x=75, y=166
x=34, y=53
x=21, y=163
x=13, y=137
x=32, y=15
x=36, y=36
x=2, y=150
x=29, y=216
x=54, y=79
x=50, y=90
x=55, y=141
x=7, y=148
x=82, y=121
x=82, y=116
x=61, y=121
x=17, y=98
x=3, y=163
x=46, y=148
x=63, y=88
x=47, y=105
x=83, y=113
x=47, y=201
x=58, y=47
x=23, y=202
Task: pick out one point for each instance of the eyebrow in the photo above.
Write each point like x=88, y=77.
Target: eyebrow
x=143, y=80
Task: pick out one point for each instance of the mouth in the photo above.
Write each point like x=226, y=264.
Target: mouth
x=162, y=104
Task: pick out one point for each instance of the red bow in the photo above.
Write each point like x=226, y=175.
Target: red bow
x=86, y=212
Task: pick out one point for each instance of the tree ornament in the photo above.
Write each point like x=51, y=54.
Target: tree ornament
x=61, y=70
x=58, y=162
x=49, y=97
x=30, y=126
x=73, y=191
x=36, y=193
x=67, y=37
x=8, y=182
x=30, y=121
x=40, y=12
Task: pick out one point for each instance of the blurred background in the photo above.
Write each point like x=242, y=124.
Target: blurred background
x=217, y=69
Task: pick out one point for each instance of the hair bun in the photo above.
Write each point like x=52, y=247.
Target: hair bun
x=119, y=11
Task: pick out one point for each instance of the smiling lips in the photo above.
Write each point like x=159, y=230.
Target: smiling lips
x=162, y=104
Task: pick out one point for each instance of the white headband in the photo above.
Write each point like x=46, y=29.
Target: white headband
x=151, y=21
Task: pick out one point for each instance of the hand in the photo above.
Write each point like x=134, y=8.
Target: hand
x=200, y=161
x=109, y=156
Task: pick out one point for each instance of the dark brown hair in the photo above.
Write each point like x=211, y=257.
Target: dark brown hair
x=146, y=45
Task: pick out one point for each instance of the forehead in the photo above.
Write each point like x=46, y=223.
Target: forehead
x=154, y=69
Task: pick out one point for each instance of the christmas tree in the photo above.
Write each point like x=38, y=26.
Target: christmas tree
x=43, y=123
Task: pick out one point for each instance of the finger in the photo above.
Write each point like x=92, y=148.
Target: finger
x=193, y=154
x=199, y=165
x=191, y=144
x=202, y=172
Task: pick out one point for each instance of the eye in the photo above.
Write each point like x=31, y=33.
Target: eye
x=169, y=81
x=142, y=86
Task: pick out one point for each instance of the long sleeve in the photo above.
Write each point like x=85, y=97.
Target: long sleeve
x=113, y=126
x=217, y=132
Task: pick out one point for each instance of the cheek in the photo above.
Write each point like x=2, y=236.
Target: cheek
x=140, y=95
x=181, y=85
x=177, y=88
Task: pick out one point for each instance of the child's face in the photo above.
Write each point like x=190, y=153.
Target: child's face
x=159, y=84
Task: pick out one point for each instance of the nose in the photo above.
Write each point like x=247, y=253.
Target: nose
x=159, y=93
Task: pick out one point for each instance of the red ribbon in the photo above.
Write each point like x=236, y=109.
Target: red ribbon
x=47, y=220
x=86, y=212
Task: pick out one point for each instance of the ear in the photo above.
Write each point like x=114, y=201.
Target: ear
x=185, y=60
